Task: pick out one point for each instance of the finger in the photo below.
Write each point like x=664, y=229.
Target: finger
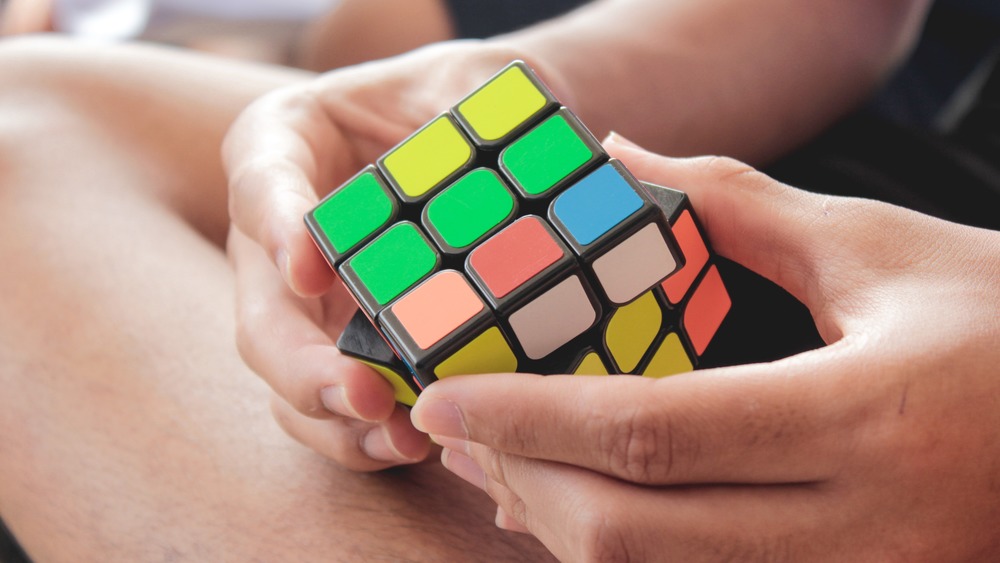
x=283, y=343
x=273, y=179
x=584, y=516
x=782, y=233
x=507, y=522
x=353, y=444
x=782, y=422
x=25, y=16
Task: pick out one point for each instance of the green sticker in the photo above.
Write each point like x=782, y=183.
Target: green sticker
x=545, y=155
x=393, y=262
x=353, y=212
x=470, y=207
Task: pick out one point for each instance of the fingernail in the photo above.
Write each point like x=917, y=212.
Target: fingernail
x=335, y=400
x=465, y=467
x=284, y=263
x=619, y=139
x=439, y=417
x=378, y=445
x=505, y=521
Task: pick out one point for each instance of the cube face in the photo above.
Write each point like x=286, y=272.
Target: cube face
x=389, y=265
x=594, y=206
x=631, y=331
x=550, y=155
x=634, y=265
x=555, y=316
x=422, y=315
x=486, y=352
x=548, y=257
x=516, y=260
x=427, y=160
x=353, y=214
x=503, y=106
x=693, y=246
x=467, y=210
x=589, y=363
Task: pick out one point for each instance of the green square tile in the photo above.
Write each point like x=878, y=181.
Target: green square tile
x=546, y=155
x=354, y=212
x=469, y=208
x=393, y=262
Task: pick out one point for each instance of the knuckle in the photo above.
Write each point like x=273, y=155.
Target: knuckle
x=245, y=181
x=494, y=463
x=640, y=447
x=254, y=327
x=728, y=170
x=778, y=549
x=603, y=538
x=518, y=509
x=263, y=191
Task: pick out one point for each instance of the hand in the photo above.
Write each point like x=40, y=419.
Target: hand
x=882, y=446
x=25, y=16
x=285, y=152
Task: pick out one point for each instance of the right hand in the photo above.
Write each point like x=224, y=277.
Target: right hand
x=284, y=152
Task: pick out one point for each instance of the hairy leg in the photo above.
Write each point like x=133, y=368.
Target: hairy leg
x=130, y=428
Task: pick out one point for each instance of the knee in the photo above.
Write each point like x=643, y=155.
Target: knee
x=36, y=89
x=35, y=76
x=29, y=59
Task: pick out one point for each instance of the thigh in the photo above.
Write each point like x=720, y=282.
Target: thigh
x=130, y=428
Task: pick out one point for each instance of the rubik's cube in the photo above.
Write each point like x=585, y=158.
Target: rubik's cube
x=500, y=237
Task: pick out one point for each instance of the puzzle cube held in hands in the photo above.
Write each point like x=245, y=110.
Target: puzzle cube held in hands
x=500, y=237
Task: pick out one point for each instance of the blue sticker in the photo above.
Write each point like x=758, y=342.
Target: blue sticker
x=596, y=204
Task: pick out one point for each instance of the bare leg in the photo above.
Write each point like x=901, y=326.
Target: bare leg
x=129, y=428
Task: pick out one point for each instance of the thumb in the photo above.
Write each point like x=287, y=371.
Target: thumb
x=769, y=227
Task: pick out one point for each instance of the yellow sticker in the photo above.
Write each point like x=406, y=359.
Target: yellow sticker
x=498, y=108
x=591, y=365
x=632, y=330
x=428, y=157
x=669, y=359
x=404, y=394
x=487, y=353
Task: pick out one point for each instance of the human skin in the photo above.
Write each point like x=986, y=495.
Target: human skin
x=882, y=446
x=356, y=31
x=676, y=74
x=130, y=429
x=26, y=16
x=353, y=31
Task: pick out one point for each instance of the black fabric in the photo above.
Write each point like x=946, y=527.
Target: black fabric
x=476, y=19
x=10, y=552
x=958, y=37
x=954, y=176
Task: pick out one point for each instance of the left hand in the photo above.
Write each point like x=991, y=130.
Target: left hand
x=20, y=17
x=883, y=445
x=286, y=151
